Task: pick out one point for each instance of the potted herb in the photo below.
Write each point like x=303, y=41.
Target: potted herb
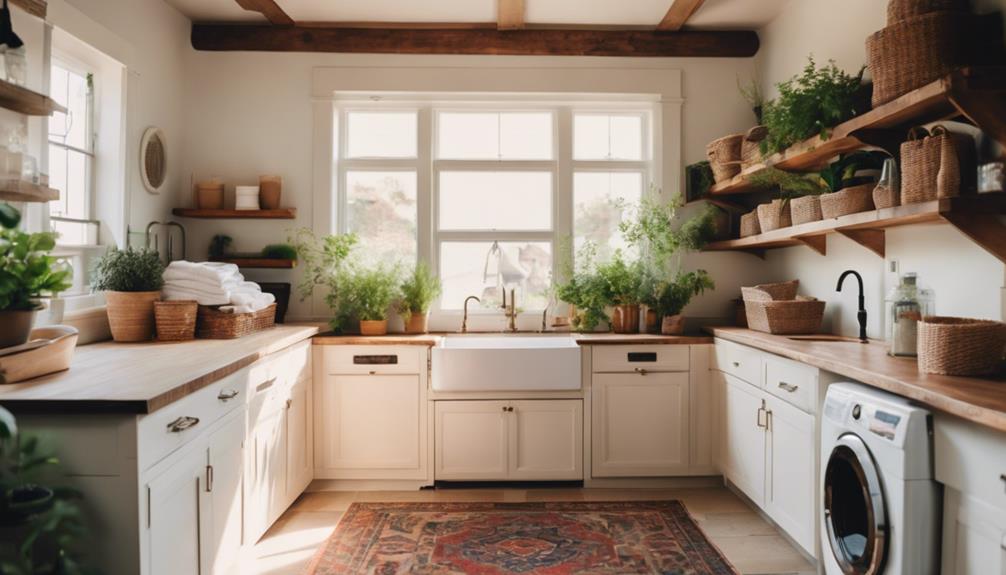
x=623, y=281
x=279, y=252
x=673, y=296
x=418, y=290
x=366, y=295
x=325, y=261
x=801, y=191
x=131, y=280
x=27, y=274
x=220, y=245
x=584, y=290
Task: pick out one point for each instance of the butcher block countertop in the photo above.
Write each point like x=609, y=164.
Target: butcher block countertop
x=433, y=339
x=981, y=400
x=144, y=377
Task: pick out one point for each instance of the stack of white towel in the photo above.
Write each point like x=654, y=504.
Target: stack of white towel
x=212, y=283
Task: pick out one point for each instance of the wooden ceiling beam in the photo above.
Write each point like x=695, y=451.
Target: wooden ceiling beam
x=268, y=8
x=679, y=13
x=509, y=14
x=478, y=41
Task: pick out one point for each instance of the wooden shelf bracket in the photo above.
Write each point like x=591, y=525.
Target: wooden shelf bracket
x=817, y=243
x=873, y=240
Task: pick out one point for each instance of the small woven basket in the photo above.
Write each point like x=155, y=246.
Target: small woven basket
x=851, y=200
x=175, y=320
x=885, y=196
x=751, y=146
x=725, y=156
x=781, y=291
x=774, y=215
x=793, y=317
x=750, y=225
x=937, y=164
x=805, y=209
x=212, y=323
x=960, y=346
x=901, y=10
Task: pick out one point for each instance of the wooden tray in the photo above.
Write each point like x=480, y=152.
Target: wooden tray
x=38, y=361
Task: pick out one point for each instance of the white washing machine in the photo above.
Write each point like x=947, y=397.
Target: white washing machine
x=881, y=505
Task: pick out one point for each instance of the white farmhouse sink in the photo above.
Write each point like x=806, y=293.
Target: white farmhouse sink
x=506, y=363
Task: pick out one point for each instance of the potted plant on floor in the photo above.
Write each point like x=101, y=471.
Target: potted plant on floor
x=27, y=274
x=418, y=290
x=131, y=281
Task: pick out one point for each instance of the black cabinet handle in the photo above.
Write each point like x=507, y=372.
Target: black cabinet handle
x=642, y=357
x=375, y=360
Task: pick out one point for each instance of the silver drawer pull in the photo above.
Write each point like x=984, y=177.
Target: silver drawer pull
x=641, y=371
x=265, y=385
x=228, y=394
x=788, y=386
x=182, y=423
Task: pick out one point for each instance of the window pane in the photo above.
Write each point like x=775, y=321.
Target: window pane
x=526, y=136
x=496, y=200
x=75, y=233
x=77, y=105
x=608, y=137
x=57, y=179
x=382, y=134
x=381, y=210
x=525, y=266
x=494, y=136
x=596, y=211
x=76, y=184
x=59, y=124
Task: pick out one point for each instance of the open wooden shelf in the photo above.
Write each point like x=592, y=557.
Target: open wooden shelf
x=278, y=214
x=974, y=93
x=976, y=217
x=25, y=101
x=258, y=262
x=21, y=191
x=34, y=7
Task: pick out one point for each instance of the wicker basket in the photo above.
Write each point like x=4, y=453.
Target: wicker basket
x=848, y=201
x=175, y=320
x=936, y=165
x=792, y=317
x=960, y=346
x=774, y=216
x=885, y=197
x=805, y=209
x=916, y=51
x=750, y=225
x=131, y=314
x=215, y=324
x=725, y=156
x=901, y=10
x=781, y=291
x=751, y=146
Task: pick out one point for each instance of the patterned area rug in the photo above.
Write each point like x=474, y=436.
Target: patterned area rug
x=524, y=538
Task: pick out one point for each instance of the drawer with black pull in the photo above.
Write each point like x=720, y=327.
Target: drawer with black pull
x=639, y=358
x=374, y=359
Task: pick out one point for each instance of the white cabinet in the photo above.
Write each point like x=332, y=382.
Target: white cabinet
x=299, y=440
x=743, y=439
x=173, y=517
x=222, y=497
x=640, y=424
x=509, y=440
x=266, y=481
x=790, y=484
x=974, y=536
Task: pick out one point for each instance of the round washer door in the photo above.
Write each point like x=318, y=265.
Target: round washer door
x=854, y=509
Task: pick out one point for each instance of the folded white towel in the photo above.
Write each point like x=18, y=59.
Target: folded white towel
x=201, y=286
x=249, y=303
x=213, y=272
x=204, y=298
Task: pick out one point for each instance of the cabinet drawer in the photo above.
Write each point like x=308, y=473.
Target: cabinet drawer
x=162, y=432
x=631, y=358
x=368, y=359
x=738, y=361
x=792, y=382
x=272, y=377
x=971, y=458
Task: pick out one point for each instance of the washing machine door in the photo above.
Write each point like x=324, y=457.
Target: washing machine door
x=854, y=508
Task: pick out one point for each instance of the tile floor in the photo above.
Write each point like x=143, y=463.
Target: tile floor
x=748, y=541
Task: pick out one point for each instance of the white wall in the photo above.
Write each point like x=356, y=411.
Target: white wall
x=966, y=279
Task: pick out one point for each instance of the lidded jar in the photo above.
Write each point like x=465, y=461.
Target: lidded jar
x=907, y=304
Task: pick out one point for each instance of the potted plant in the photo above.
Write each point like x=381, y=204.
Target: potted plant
x=131, y=280
x=418, y=290
x=279, y=252
x=220, y=245
x=27, y=274
x=673, y=296
x=801, y=191
x=325, y=261
x=584, y=290
x=623, y=281
x=365, y=295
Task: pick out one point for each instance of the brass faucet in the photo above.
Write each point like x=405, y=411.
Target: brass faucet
x=464, y=320
x=510, y=312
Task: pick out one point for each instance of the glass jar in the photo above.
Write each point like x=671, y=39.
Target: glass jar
x=16, y=63
x=907, y=305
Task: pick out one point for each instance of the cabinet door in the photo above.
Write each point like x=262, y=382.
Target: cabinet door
x=640, y=424
x=546, y=440
x=173, y=517
x=743, y=439
x=299, y=440
x=471, y=440
x=222, y=500
x=371, y=427
x=267, y=474
x=974, y=536
x=791, y=485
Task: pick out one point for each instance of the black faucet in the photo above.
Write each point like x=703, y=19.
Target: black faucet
x=862, y=303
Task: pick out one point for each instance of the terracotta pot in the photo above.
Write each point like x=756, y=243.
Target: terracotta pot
x=625, y=319
x=652, y=321
x=210, y=196
x=418, y=323
x=269, y=191
x=672, y=325
x=373, y=327
x=16, y=326
x=131, y=314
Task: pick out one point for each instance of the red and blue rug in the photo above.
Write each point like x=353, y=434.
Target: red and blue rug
x=519, y=538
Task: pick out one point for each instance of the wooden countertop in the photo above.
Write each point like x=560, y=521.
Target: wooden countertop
x=432, y=339
x=144, y=377
x=981, y=400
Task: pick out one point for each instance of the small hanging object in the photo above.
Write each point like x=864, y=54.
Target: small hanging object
x=15, y=56
x=7, y=36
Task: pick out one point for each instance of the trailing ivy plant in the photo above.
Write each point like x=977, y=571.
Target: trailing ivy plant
x=128, y=270
x=27, y=271
x=809, y=104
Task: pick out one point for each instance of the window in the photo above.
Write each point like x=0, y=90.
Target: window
x=71, y=155
x=486, y=192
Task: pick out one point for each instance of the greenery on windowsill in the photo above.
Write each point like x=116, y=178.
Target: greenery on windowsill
x=418, y=291
x=128, y=270
x=27, y=271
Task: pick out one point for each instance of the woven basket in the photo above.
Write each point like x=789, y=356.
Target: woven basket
x=960, y=346
x=848, y=201
x=175, y=320
x=725, y=156
x=774, y=216
x=916, y=51
x=885, y=197
x=793, y=317
x=131, y=314
x=805, y=209
x=750, y=225
x=212, y=323
x=751, y=146
x=937, y=164
x=901, y=10
x=781, y=291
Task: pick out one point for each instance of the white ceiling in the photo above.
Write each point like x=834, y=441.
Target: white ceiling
x=739, y=14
